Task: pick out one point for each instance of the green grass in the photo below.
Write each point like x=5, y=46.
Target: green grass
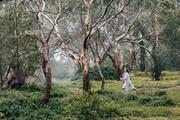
x=69, y=103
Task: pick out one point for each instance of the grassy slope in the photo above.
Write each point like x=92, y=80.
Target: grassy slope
x=68, y=102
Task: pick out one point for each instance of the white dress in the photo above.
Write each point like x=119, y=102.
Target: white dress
x=127, y=82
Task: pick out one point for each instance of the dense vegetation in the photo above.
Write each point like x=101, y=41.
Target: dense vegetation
x=92, y=45
x=108, y=71
x=69, y=103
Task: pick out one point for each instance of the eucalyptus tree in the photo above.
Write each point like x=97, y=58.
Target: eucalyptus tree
x=169, y=21
x=44, y=31
x=18, y=47
x=78, y=28
x=89, y=28
x=149, y=30
x=113, y=34
x=159, y=8
x=95, y=25
x=98, y=45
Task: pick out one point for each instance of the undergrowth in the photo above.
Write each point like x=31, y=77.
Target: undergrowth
x=67, y=103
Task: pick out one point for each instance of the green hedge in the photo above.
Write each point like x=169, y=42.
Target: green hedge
x=108, y=71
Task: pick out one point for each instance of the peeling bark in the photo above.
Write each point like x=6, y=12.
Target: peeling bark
x=1, y=77
x=133, y=58
x=96, y=65
x=10, y=79
x=102, y=77
x=47, y=73
x=142, y=57
x=118, y=63
x=85, y=68
x=84, y=52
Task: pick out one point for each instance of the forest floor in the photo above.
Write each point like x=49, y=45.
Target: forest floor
x=142, y=90
x=154, y=100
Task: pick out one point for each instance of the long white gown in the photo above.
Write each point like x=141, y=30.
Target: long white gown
x=127, y=82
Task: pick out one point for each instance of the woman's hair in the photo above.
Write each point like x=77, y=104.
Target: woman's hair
x=127, y=70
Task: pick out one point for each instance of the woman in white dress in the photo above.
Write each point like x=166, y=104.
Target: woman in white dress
x=127, y=84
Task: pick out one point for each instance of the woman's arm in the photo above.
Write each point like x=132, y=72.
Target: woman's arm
x=125, y=76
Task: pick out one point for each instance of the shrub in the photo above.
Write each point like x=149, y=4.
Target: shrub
x=32, y=88
x=144, y=100
x=160, y=93
x=157, y=99
x=108, y=72
x=168, y=102
x=109, y=110
x=26, y=104
x=162, y=102
x=85, y=107
x=113, y=96
x=131, y=97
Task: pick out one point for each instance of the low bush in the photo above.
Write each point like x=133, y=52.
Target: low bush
x=85, y=107
x=109, y=110
x=65, y=104
x=160, y=93
x=108, y=72
x=131, y=97
x=144, y=100
x=157, y=99
x=26, y=104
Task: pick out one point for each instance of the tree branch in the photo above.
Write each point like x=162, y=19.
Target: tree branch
x=105, y=12
x=129, y=27
x=113, y=16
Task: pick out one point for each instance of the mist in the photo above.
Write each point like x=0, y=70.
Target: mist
x=63, y=69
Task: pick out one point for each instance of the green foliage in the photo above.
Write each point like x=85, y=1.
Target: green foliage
x=85, y=107
x=160, y=93
x=78, y=75
x=26, y=104
x=159, y=98
x=108, y=72
x=160, y=59
x=131, y=97
x=17, y=44
x=171, y=34
x=68, y=103
x=144, y=100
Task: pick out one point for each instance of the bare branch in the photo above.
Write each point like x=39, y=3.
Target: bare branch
x=71, y=53
x=129, y=27
x=113, y=16
x=137, y=43
x=105, y=12
x=88, y=2
x=49, y=35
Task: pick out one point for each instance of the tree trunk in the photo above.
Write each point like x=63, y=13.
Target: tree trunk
x=157, y=68
x=47, y=73
x=133, y=59
x=118, y=63
x=18, y=71
x=10, y=79
x=102, y=77
x=142, y=57
x=1, y=72
x=96, y=62
x=85, y=68
x=84, y=52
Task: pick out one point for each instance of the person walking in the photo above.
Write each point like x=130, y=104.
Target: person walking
x=127, y=84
